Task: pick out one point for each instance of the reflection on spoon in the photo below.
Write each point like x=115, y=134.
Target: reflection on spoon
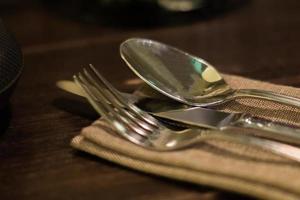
x=186, y=78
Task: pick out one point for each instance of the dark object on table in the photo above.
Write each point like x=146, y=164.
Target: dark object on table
x=10, y=64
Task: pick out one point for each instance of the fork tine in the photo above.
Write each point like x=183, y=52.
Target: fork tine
x=106, y=94
x=103, y=96
x=116, y=112
x=90, y=96
x=110, y=97
x=114, y=92
x=123, y=128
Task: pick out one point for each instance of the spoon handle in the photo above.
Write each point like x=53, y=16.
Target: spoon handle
x=268, y=95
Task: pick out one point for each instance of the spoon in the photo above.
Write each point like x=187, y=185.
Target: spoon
x=184, y=77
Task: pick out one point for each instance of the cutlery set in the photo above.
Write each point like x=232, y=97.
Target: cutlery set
x=195, y=84
x=144, y=130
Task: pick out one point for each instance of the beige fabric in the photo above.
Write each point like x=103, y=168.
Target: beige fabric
x=221, y=164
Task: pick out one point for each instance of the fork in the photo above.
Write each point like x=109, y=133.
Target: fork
x=144, y=130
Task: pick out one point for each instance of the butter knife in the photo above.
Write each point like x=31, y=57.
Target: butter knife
x=224, y=121
x=214, y=119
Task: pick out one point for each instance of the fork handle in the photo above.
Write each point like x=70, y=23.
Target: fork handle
x=278, y=148
x=265, y=128
x=268, y=95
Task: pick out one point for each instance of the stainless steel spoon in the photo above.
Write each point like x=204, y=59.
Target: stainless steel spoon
x=184, y=77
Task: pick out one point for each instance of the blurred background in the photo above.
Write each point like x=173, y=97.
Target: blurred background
x=257, y=39
x=225, y=32
x=133, y=13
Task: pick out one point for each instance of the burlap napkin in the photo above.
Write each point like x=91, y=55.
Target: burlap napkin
x=230, y=166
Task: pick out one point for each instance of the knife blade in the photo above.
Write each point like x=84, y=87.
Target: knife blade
x=199, y=117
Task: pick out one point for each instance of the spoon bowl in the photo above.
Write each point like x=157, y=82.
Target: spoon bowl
x=184, y=77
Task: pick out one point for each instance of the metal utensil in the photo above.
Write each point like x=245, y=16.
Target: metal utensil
x=150, y=133
x=206, y=118
x=184, y=77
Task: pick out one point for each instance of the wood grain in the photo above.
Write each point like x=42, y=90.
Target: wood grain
x=259, y=39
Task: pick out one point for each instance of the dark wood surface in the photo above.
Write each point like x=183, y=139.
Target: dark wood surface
x=259, y=39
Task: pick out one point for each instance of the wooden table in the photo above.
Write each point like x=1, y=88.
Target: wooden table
x=259, y=39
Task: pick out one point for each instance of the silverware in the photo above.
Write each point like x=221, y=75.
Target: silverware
x=207, y=118
x=242, y=122
x=184, y=77
x=142, y=129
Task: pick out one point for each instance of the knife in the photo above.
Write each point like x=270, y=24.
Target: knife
x=206, y=118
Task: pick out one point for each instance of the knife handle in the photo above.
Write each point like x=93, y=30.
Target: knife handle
x=265, y=128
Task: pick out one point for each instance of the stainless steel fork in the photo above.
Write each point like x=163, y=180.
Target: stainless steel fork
x=142, y=129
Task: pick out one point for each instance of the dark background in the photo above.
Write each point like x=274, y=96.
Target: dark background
x=256, y=39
